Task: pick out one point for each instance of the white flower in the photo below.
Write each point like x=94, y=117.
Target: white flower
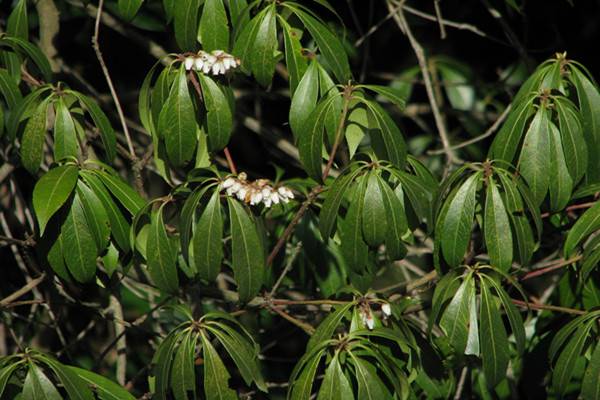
x=386, y=309
x=206, y=67
x=229, y=182
x=266, y=192
x=281, y=191
x=289, y=193
x=241, y=194
x=275, y=198
x=370, y=322
x=198, y=64
x=189, y=63
x=267, y=202
x=256, y=198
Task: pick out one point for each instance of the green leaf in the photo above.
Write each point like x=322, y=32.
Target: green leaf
x=65, y=136
x=310, y=142
x=304, y=100
x=244, y=45
x=565, y=365
x=81, y=251
x=589, y=102
x=185, y=22
x=460, y=93
x=161, y=255
x=473, y=343
x=374, y=218
x=370, y=386
x=587, y=223
x=335, y=385
x=262, y=57
x=128, y=8
x=219, y=119
x=52, y=191
x=504, y=146
x=590, y=387
x=573, y=142
x=498, y=237
x=295, y=60
x=177, y=122
x=390, y=93
x=353, y=247
x=397, y=223
x=301, y=386
x=96, y=216
x=329, y=90
x=493, y=339
x=329, y=45
x=107, y=134
x=534, y=161
x=208, y=240
x=248, y=258
x=105, y=388
x=331, y=205
x=37, y=386
x=357, y=126
x=76, y=387
x=5, y=374
x=23, y=109
x=9, y=90
x=389, y=135
x=128, y=197
x=183, y=377
x=162, y=363
x=455, y=320
x=17, y=24
x=216, y=377
x=456, y=227
x=327, y=327
x=445, y=289
x=561, y=183
x=214, y=30
x=32, y=143
x=187, y=217
x=31, y=51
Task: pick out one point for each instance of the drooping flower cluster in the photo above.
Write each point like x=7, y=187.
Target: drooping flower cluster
x=216, y=62
x=366, y=314
x=256, y=192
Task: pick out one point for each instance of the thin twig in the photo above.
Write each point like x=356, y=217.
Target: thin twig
x=550, y=268
x=22, y=291
x=571, y=208
x=230, y=162
x=117, y=311
x=422, y=60
x=302, y=325
x=545, y=307
x=287, y=268
x=438, y=17
x=96, y=45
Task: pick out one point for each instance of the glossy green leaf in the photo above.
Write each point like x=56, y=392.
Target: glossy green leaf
x=329, y=90
x=216, y=377
x=56, y=259
x=9, y=89
x=573, y=142
x=444, y=291
x=497, y=233
x=370, y=386
x=185, y=22
x=335, y=385
x=76, y=387
x=506, y=142
x=187, y=217
x=162, y=363
x=107, y=134
x=391, y=94
x=397, y=223
x=357, y=126
x=177, y=122
x=17, y=24
x=493, y=339
x=456, y=227
x=262, y=57
x=248, y=258
x=331, y=205
x=295, y=60
x=105, y=388
x=590, y=387
x=213, y=31
x=208, y=240
x=23, y=110
x=374, y=218
x=473, y=345
x=129, y=8
x=35, y=54
x=183, y=377
x=565, y=364
x=244, y=45
x=304, y=100
x=310, y=142
x=393, y=146
x=78, y=241
x=587, y=223
x=6, y=371
x=161, y=255
x=65, y=135
x=37, y=386
x=128, y=197
x=455, y=320
x=32, y=142
x=534, y=161
x=302, y=385
x=561, y=183
x=95, y=215
x=327, y=327
x=219, y=119
x=354, y=249
x=52, y=191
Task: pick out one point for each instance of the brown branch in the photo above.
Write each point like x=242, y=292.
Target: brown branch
x=550, y=268
x=32, y=284
x=302, y=325
x=545, y=307
x=438, y=17
x=571, y=208
x=230, y=162
x=117, y=311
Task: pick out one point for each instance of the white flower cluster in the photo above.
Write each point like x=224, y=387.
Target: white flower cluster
x=256, y=192
x=366, y=314
x=216, y=62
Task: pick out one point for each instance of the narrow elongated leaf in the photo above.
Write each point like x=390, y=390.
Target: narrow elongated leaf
x=335, y=385
x=565, y=365
x=17, y=24
x=80, y=257
x=388, y=133
x=304, y=100
x=329, y=45
x=391, y=94
x=32, y=143
x=589, y=101
x=374, y=218
x=183, y=378
x=590, y=387
x=498, y=237
x=354, y=249
x=23, y=110
x=327, y=327
x=370, y=386
x=187, y=217
x=9, y=89
x=52, y=191
x=162, y=364
x=208, y=240
x=332, y=202
x=37, y=386
x=460, y=93
x=65, y=136
x=504, y=146
x=185, y=22
x=105, y=388
x=177, y=122
x=35, y=54
x=295, y=60
x=456, y=227
x=128, y=197
x=219, y=119
x=262, y=57
x=161, y=255
x=216, y=377
x=455, y=320
x=329, y=90
x=310, y=142
x=473, y=347
x=214, y=29
x=534, y=161
x=248, y=259
x=6, y=372
x=397, y=223
x=128, y=8
x=95, y=215
x=586, y=224
x=445, y=289
x=493, y=339
x=302, y=385
x=56, y=259
x=573, y=142
x=76, y=387
x=244, y=45
x=561, y=183
x=107, y=134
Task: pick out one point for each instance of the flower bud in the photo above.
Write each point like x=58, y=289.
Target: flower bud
x=229, y=182
x=189, y=63
x=386, y=309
